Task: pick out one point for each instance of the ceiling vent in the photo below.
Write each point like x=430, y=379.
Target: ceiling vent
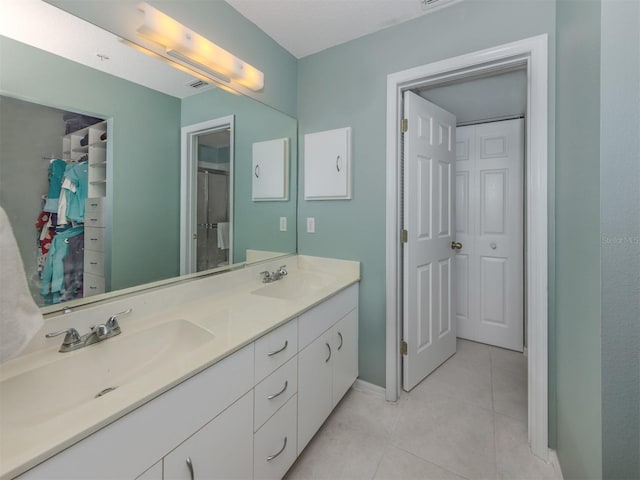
x=197, y=84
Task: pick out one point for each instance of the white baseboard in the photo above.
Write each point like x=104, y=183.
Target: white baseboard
x=555, y=463
x=370, y=388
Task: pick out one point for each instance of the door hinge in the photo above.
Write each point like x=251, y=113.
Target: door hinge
x=404, y=236
x=403, y=347
x=404, y=125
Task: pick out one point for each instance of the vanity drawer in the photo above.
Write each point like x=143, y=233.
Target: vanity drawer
x=274, y=445
x=95, y=204
x=281, y=385
x=93, y=219
x=319, y=319
x=94, y=239
x=94, y=262
x=92, y=284
x=275, y=348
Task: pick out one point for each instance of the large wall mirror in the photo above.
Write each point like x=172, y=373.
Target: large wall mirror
x=45, y=98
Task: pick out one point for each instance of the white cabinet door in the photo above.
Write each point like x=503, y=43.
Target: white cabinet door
x=327, y=165
x=222, y=449
x=314, y=388
x=344, y=343
x=270, y=177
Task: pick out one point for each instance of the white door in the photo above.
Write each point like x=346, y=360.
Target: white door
x=489, y=225
x=429, y=160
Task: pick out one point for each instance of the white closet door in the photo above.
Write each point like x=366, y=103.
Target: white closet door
x=489, y=224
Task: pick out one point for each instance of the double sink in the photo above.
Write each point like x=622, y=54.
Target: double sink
x=62, y=383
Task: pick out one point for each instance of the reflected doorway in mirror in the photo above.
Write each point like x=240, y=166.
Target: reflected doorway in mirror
x=206, y=193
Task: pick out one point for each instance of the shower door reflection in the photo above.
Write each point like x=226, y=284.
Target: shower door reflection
x=213, y=200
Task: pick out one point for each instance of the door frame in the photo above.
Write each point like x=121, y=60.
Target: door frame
x=188, y=184
x=532, y=54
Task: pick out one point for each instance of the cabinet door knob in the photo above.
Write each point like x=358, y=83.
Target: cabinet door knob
x=338, y=163
x=271, y=457
x=329, y=357
x=341, y=341
x=256, y=171
x=190, y=467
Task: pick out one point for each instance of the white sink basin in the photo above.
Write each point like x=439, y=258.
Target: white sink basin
x=292, y=287
x=78, y=377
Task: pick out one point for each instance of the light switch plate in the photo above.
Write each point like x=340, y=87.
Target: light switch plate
x=311, y=225
x=283, y=224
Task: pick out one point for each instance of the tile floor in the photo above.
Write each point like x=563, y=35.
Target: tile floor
x=466, y=420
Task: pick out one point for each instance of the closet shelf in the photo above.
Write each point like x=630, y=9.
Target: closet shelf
x=98, y=164
x=99, y=143
x=98, y=182
x=84, y=149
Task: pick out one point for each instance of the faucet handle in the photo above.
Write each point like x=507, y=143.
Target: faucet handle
x=266, y=276
x=282, y=270
x=72, y=336
x=112, y=323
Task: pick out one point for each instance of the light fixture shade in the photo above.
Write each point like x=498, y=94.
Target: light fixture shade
x=175, y=37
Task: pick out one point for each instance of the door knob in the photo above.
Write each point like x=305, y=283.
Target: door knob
x=456, y=245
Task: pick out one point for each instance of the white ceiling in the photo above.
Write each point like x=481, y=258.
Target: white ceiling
x=304, y=27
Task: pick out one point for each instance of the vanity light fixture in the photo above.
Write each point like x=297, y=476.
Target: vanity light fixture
x=193, y=49
x=200, y=75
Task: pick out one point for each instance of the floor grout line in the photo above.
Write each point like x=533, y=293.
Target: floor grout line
x=431, y=462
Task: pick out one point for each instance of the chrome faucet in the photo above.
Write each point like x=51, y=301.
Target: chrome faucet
x=73, y=340
x=268, y=277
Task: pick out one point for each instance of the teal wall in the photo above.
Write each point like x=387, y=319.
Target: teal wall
x=256, y=224
x=146, y=165
x=346, y=86
x=579, y=433
x=620, y=247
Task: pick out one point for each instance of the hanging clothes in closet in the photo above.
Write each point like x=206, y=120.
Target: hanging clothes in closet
x=61, y=238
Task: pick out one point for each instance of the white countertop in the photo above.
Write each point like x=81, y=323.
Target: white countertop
x=223, y=305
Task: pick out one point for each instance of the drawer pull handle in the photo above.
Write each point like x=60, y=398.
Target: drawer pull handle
x=271, y=457
x=190, y=467
x=341, y=341
x=93, y=288
x=271, y=397
x=93, y=239
x=94, y=204
x=93, y=219
x=275, y=352
x=93, y=263
x=329, y=357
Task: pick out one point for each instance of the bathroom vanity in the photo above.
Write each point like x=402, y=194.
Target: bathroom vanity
x=221, y=377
